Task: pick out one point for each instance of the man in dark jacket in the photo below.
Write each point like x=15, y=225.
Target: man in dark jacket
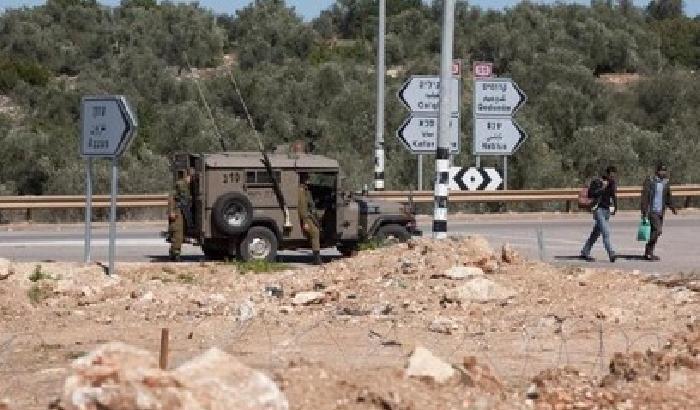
x=603, y=190
x=656, y=197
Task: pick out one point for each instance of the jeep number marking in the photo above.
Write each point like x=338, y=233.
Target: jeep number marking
x=232, y=177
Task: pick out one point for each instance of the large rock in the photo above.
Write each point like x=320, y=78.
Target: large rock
x=120, y=377
x=481, y=290
x=423, y=363
x=219, y=381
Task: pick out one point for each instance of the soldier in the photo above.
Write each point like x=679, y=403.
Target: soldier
x=307, y=215
x=179, y=209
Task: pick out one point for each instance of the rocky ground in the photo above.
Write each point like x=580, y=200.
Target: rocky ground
x=426, y=325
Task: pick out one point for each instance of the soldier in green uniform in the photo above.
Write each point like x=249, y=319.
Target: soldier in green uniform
x=179, y=211
x=307, y=215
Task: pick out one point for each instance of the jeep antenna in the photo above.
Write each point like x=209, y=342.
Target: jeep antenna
x=266, y=159
x=206, y=105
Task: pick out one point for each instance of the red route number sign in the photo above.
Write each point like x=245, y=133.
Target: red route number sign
x=482, y=69
x=457, y=68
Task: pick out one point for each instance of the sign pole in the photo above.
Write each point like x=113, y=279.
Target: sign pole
x=478, y=161
x=381, y=69
x=420, y=172
x=505, y=172
x=113, y=217
x=442, y=157
x=88, y=208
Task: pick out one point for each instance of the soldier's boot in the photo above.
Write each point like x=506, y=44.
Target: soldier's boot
x=317, y=258
x=175, y=256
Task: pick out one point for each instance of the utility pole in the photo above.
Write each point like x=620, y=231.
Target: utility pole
x=381, y=75
x=442, y=157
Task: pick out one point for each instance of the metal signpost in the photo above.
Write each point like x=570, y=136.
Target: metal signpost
x=108, y=125
x=442, y=154
x=496, y=100
x=381, y=72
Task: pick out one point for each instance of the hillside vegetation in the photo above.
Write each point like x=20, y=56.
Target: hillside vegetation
x=316, y=81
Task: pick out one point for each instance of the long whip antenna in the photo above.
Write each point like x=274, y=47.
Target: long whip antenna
x=206, y=105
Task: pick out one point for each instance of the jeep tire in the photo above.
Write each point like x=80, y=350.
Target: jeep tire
x=232, y=213
x=259, y=244
x=392, y=231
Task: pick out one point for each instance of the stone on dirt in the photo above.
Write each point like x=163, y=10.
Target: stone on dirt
x=119, y=376
x=443, y=325
x=5, y=269
x=307, y=298
x=423, y=363
x=246, y=311
x=461, y=272
x=481, y=290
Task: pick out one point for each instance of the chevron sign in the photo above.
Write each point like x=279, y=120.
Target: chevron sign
x=475, y=179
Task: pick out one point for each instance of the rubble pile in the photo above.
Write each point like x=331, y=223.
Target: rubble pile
x=664, y=379
x=421, y=325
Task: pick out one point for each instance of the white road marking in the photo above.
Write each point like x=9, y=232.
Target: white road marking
x=78, y=243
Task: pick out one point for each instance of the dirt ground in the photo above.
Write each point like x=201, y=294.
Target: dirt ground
x=522, y=335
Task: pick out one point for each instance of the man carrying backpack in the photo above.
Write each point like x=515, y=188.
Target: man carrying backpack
x=656, y=196
x=603, y=192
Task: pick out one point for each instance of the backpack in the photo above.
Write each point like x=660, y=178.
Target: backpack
x=584, y=199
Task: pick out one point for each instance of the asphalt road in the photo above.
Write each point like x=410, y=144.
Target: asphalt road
x=562, y=237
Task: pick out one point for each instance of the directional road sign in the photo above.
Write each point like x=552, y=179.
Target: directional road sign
x=107, y=126
x=421, y=94
x=497, y=136
x=497, y=97
x=475, y=179
x=419, y=134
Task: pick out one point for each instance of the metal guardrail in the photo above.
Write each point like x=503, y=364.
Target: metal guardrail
x=543, y=195
x=568, y=195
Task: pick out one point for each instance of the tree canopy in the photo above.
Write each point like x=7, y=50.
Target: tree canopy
x=316, y=81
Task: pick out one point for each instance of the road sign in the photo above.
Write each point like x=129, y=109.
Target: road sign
x=457, y=68
x=421, y=94
x=475, y=179
x=497, y=96
x=107, y=126
x=419, y=134
x=497, y=136
x=482, y=69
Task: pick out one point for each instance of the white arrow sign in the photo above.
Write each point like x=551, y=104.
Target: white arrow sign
x=421, y=94
x=497, y=136
x=497, y=97
x=475, y=179
x=419, y=134
x=107, y=126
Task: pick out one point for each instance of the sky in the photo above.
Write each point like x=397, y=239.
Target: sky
x=311, y=8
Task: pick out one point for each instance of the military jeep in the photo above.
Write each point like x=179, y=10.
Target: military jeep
x=244, y=205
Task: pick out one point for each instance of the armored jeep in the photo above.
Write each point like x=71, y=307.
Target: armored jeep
x=244, y=205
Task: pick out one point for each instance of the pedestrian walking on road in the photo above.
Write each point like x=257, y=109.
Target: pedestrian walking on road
x=603, y=191
x=656, y=197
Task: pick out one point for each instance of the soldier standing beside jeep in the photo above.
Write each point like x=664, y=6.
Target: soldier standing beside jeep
x=179, y=209
x=309, y=221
